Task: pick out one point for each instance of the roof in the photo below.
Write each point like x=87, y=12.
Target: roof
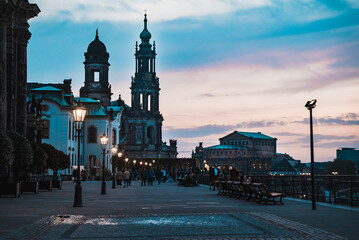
x=85, y=100
x=224, y=147
x=47, y=89
x=255, y=135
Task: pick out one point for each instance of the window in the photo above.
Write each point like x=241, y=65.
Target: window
x=69, y=129
x=46, y=129
x=113, y=136
x=92, y=134
x=96, y=76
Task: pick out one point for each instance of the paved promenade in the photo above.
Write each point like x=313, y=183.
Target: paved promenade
x=167, y=211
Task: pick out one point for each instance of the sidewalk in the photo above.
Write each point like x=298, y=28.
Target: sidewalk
x=167, y=211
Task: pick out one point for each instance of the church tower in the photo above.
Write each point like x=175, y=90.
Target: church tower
x=96, y=72
x=144, y=120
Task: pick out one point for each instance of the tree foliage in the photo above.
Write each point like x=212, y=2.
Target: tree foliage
x=22, y=150
x=6, y=150
x=40, y=158
x=57, y=160
x=343, y=167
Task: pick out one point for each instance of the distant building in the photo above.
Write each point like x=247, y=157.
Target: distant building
x=350, y=154
x=284, y=164
x=251, y=152
x=14, y=36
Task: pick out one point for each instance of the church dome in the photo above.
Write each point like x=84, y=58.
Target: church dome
x=96, y=47
x=96, y=51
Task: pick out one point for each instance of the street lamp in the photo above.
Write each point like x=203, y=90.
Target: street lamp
x=79, y=117
x=119, y=154
x=114, y=151
x=104, y=141
x=146, y=163
x=140, y=163
x=153, y=161
x=134, y=161
x=310, y=105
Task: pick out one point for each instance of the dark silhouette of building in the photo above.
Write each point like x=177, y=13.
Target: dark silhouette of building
x=251, y=152
x=142, y=122
x=96, y=72
x=14, y=36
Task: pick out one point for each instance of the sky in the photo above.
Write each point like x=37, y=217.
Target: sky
x=223, y=65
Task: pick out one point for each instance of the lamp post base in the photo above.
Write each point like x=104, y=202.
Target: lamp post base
x=78, y=195
x=103, y=188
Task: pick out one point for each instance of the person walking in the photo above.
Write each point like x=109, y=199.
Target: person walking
x=143, y=177
x=151, y=175
x=126, y=177
x=211, y=177
x=119, y=177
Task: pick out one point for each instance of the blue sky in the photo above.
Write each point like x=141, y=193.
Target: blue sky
x=223, y=65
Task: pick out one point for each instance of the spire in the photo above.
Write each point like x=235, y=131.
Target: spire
x=145, y=34
x=96, y=33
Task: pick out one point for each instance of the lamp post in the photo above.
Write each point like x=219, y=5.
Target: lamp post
x=114, y=151
x=104, y=141
x=79, y=117
x=310, y=105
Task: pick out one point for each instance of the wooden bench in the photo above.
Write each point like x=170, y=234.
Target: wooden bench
x=266, y=195
x=186, y=182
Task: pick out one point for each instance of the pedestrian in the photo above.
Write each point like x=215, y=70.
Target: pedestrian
x=211, y=177
x=119, y=177
x=126, y=177
x=151, y=175
x=143, y=177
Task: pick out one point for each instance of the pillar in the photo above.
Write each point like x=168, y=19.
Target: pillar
x=3, y=101
x=21, y=67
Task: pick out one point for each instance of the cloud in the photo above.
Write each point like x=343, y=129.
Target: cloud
x=207, y=130
x=344, y=119
x=287, y=134
x=124, y=10
x=322, y=137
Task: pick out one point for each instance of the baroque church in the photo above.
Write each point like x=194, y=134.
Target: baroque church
x=135, y=130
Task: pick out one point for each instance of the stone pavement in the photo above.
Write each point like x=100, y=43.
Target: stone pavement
x=167, y=211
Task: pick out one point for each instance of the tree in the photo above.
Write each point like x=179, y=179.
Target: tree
x=57, y=160
x=342, y=167
x=40, y=158
x=23, y=153
x=6, y=151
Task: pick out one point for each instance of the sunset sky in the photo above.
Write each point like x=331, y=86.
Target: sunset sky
x=224, y=65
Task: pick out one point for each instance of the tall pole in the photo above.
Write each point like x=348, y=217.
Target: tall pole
x=113, y=173
x=103, y=187
x=312, y=161
x=78, y=188
x=310, y=105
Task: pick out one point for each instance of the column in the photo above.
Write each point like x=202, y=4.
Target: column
x=21, y=64
x=3, y=74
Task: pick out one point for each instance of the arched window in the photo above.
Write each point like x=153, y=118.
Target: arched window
x=92, y=159
x=114, y=137
x=150, y=133
x=141, y=101
x=91, y=134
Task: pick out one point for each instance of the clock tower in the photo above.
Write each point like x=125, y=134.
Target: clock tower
x=96, y=73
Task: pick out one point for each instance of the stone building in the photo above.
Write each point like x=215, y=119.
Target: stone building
x=135, y=130
x=142, y=122
x=14, y=37
x=251, y=152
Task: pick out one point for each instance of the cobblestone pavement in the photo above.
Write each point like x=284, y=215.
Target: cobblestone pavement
x=166, y=211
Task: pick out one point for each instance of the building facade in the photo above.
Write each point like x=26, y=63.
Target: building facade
x=135, y=130
x=250, y=152
x=350, y=154
x=14, y=37
x=142, y=122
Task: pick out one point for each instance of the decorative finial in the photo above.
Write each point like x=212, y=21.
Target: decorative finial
x=96, y=32
x=136, y=46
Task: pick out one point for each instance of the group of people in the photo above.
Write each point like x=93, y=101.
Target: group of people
x=83, y=174
x=224, y=174
x=149, y=175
